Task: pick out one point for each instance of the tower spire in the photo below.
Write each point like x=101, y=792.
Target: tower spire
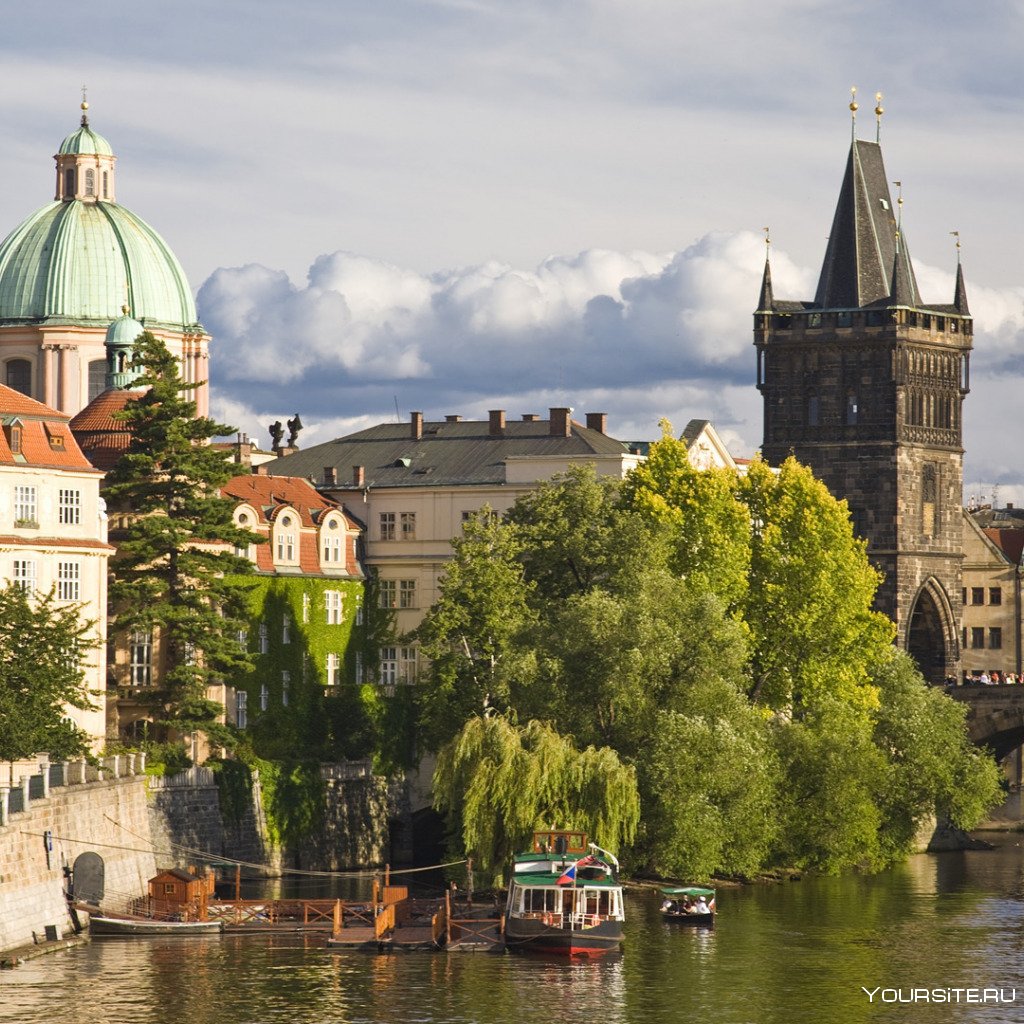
x=764, y=303
x=960, y=292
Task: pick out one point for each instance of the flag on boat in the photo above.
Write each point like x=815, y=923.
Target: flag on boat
x=568, y=877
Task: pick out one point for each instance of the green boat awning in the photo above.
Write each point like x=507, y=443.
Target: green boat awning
x=688, y=891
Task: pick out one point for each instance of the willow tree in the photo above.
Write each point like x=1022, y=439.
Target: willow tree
x=498, y=782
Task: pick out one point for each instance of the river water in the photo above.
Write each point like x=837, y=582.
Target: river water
x=788, y=953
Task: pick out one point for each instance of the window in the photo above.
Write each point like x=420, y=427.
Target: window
x=995, y=595
x=140, y=658
x=928, y=501
x=241, y=709
x=813, y=410
x=963, y=595
x=285, y=543
x=68, y=581
x=332, y=600
x=407, y=664
x=332, y=669
x=359, y=614
x=264, y=697
x=388, y=666
x=97, y=377
x=333, y=549
x=189, y=652
x=14, y=438
x=286, y=685
x=851, y=408
x=264, y=638
x=24, y=504
x=25, y=574
x=359, y=666
x=408, y=520
x=286, y=629
x=69, y=183
x=243, y=639
x=90, y=181
x=978, y=636
x=388, y=593
x=305, y=607
x=69, y=507
x=106, y=184
x=995, y=638
x=387, y=526
x=977, y=595
x=406, y=593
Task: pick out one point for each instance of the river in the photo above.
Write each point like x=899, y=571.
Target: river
x=789, y=953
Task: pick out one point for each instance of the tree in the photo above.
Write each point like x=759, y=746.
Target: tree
x=499, y=782
x=809, y=603
x=42, y=646
x=472, y=634
x=175, y=570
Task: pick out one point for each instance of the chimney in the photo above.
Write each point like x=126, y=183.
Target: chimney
x=453, y=419
x=358, y=476
x=417, y=425
x=597, y=421
x=330, y=476
x=1009, y=505
x=530, y=417
x=497, y=426
x=561, y=422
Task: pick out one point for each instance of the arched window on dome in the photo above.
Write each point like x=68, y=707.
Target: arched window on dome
x=69, y=183
x=19, y=376
x=90, y=181
x=106, y=185
x=97, y=377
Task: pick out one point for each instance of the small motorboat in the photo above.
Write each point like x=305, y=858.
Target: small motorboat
x=689, y=904
x=101, y=924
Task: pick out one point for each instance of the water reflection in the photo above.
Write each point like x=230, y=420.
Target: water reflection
x=787, y=953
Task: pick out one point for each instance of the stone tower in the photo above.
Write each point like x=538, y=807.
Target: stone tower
x=865, y=386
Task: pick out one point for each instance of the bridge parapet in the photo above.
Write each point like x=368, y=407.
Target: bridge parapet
x=995, y=716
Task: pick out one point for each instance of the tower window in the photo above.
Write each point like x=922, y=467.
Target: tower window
x=851, y=408
x=813, y=410
x=90, y=181
x=69, y=183
x=106, y=184
x=929, y=489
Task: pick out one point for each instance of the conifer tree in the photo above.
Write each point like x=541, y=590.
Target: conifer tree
x=175, y=572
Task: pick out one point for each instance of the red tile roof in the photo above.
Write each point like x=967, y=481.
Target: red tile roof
x=46, y=439
x=1010, y=541
x=103, y=438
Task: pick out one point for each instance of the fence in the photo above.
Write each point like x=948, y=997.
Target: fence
x=192, y=778
x=346, y=771
x=21, y=782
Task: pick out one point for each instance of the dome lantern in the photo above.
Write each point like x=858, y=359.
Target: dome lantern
x=120, y=341
x=85, y=165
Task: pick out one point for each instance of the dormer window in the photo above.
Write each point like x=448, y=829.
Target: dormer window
x=14, y=438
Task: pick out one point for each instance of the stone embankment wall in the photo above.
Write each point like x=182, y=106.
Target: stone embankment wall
x=184, y=816
x=84, y=808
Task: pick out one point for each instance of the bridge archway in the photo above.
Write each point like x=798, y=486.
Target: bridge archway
x=931, y=633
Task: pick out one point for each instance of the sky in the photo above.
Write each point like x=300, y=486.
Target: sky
x=453, y=206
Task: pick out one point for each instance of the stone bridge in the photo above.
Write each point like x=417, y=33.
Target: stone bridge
x=995, y=716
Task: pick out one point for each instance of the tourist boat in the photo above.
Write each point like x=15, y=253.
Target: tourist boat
x=101, y=924
x=681, y=905
x=564, y=898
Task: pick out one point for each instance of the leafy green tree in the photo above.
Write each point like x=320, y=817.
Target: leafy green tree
x=809, y=603
x=499, y=782
x=707, y=529
x=931, y=765
x=42, y=647
x=471, y=634
x=175, y=571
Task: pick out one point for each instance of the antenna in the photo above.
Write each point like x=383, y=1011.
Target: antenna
x=398, y=415
x=879, y=111
x=853, y=113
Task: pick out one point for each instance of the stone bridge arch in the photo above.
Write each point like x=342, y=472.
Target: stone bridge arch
x=995, y=716
x=932, y=637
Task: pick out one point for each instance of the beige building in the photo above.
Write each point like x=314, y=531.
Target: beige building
x=991, y=634
x=53, y=528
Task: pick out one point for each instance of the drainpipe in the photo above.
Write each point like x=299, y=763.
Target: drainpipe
x=1016, y=622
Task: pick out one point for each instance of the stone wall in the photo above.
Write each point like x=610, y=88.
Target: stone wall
x=106, y=816
x=184, y=815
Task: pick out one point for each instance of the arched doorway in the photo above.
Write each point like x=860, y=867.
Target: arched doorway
x=931, y=634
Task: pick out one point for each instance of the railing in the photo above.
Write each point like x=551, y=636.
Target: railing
x=32, y=779
x=325, y=915
x=192, y=778
x=384, y=923
x=346, y=771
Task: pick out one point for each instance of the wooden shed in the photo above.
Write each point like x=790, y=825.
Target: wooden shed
x=175, y=892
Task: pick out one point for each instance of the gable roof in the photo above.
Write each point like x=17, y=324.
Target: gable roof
x=46, y=438
x=446, y=454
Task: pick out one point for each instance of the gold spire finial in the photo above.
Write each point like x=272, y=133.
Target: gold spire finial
x=767, y=239
x=853, y=112
x=879, y=111
x=85, y=107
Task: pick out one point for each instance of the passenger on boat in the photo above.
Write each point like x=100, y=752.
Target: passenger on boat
x=702, y=906
x=687, y=907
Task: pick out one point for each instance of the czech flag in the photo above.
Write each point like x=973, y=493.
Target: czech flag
x=568, y=877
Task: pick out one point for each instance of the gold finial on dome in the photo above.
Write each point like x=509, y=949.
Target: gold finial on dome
x=879, y=111
x=125, y=308
x=85, y=107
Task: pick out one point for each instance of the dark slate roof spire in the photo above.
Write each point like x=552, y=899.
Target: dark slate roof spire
x=764, y=303
x=862, y=261
x=960, y=295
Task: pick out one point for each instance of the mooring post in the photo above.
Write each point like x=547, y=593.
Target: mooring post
x=238, y=883
x=447, y=917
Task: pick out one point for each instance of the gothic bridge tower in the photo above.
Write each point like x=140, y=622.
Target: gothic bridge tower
x=865, y=385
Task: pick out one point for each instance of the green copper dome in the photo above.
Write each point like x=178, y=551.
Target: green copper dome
x=85, y=140
x=123, y=332
x=80, y=262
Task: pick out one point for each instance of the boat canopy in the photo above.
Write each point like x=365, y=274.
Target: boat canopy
x=531, y=880
x=688, y=891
